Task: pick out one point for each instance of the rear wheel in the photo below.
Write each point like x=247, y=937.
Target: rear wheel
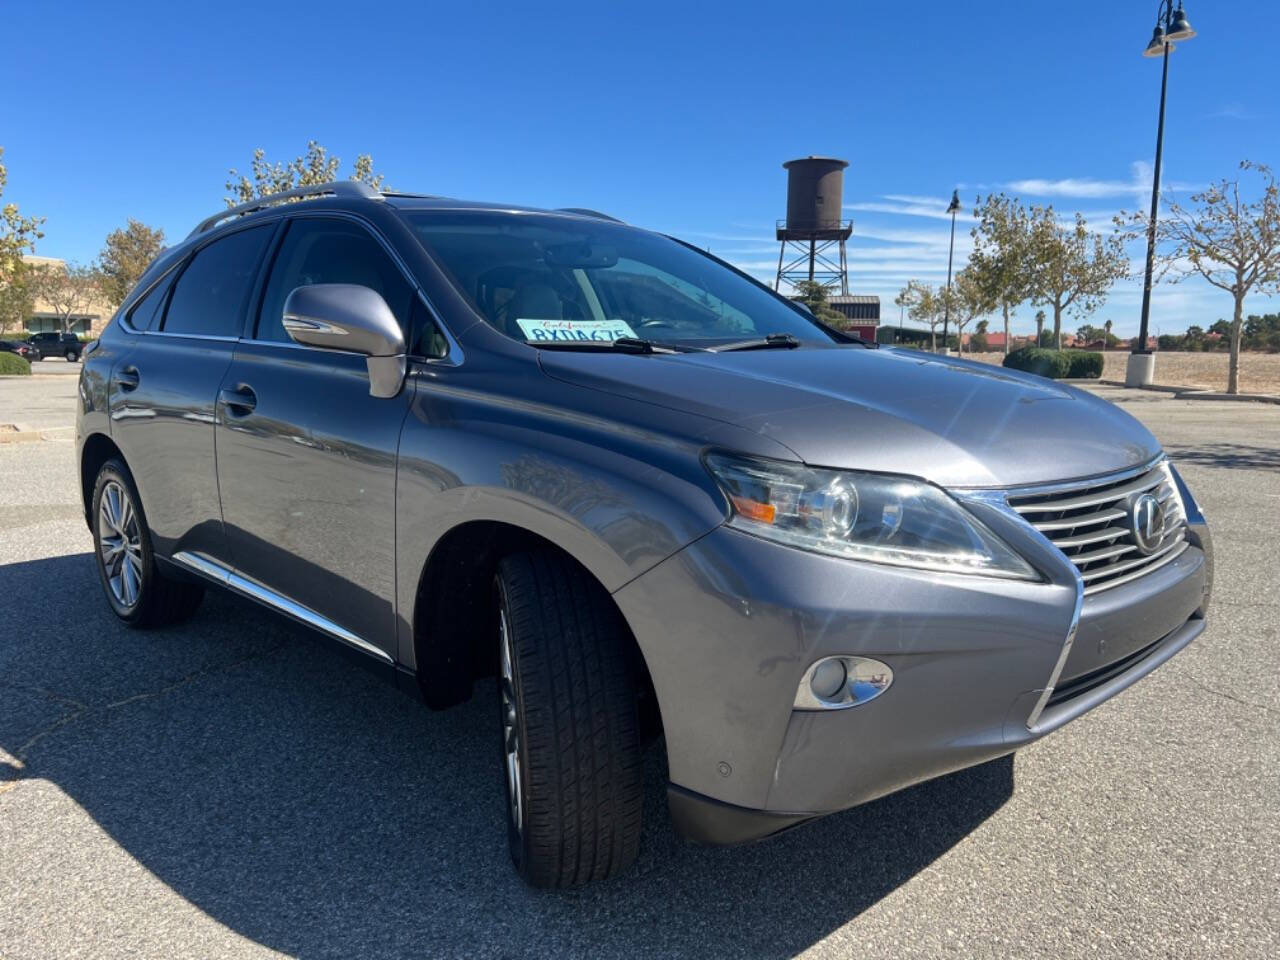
x=138, y=593
x=570, y=735
x=72, y=356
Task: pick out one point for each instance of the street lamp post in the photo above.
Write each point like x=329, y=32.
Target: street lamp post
x=946, y=309
x=1171, y=25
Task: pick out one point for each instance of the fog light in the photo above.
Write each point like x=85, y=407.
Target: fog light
x=837, y=683
x=828, y=679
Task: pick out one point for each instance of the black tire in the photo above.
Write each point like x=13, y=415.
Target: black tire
x=72, y=356
x=573, y=702
x=155, y=600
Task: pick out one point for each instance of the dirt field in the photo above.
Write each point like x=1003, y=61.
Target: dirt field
x=1259, y=372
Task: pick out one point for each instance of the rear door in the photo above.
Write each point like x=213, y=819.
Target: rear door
x=306, y=457
x=164, y=387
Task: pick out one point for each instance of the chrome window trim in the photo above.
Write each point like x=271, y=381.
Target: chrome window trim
x=228, y=577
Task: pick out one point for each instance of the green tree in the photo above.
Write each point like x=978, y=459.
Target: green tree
x=814, y=295
x=1040, y=328
x=924, y=305
x=16, y=302
x=68, y=290
x=968, y=298
x=1071, y=269
x=1230, y=241
x=1109, y=341
x=125, y=257
x=1088, y=333
x=1002, y=244
x=18, y=234
x=314, y=168
x=979, y=339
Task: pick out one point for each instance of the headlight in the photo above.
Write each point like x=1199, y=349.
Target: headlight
x=862, y=516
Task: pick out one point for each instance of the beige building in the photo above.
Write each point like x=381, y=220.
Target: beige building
x=43, y=317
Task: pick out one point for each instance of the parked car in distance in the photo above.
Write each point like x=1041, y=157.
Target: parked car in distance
x=55, y=344
x=24, y=350
x=633, y=491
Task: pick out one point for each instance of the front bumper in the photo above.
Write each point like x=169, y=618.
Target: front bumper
x=729, y=625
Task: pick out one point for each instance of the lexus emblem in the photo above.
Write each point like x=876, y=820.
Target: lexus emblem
x=1146, y=517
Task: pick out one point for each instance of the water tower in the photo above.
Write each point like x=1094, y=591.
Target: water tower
x=815, y=188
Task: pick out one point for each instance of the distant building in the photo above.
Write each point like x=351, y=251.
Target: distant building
x=44, y=318
x=861, y=312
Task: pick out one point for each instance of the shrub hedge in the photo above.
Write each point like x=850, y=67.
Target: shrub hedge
x=12, y=365
x=1057, y=364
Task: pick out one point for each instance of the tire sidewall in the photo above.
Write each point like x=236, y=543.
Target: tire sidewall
x=114, y=470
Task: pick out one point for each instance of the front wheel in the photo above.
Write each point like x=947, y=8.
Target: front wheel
x=570, y=732
x=72, y=356
x=138, y=593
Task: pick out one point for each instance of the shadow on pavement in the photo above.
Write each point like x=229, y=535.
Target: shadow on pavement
x=311, y=808
x=1229, y=456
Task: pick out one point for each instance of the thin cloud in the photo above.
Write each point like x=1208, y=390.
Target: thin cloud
x=1232, y=111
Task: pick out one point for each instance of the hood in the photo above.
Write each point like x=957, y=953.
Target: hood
x=957, y=423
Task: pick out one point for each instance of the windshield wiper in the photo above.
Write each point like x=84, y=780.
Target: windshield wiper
x=621, y=345
x=773, y=341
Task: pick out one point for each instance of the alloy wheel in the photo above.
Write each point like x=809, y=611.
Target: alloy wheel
x=510, y=726
x=120, y=545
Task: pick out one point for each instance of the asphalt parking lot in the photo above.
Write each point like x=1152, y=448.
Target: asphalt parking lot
x=235, y=788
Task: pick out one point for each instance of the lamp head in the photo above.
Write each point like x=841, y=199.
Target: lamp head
x=1179, y=29
x=1156, y=47
x=955, y=202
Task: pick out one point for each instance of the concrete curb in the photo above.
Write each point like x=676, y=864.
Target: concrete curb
x=20, y=433
x=1184, y=393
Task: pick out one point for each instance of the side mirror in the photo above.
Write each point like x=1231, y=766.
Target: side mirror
x=353, y=319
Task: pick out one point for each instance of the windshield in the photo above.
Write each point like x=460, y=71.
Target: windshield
x=542, y=278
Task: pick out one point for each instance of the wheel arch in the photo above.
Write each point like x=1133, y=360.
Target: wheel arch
x=96, y=450
x=453, y=616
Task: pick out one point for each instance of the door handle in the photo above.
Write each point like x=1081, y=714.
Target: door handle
x=127, y=378
x=240, y=401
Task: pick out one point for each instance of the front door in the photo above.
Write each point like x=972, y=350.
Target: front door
x=306, y=457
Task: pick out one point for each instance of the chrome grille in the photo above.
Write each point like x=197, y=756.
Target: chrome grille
x=1091, y=524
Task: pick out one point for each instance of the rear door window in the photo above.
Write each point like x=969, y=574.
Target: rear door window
x=209, y=297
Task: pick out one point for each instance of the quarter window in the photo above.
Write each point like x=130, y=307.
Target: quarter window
x=146, y=310
x=210, y=295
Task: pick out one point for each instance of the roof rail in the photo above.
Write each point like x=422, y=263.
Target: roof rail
x=339, y=188
x=584, y=212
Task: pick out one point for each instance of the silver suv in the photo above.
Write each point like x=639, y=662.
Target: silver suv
x=638, y=488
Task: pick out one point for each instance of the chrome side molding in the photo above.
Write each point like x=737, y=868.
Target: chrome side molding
x=225, y=576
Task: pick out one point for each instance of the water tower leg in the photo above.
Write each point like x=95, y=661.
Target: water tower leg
x=844, y=270
x=777, y=283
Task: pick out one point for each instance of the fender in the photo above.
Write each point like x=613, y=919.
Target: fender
x=604, y=485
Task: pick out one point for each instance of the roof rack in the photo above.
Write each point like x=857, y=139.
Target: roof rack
x=339, y=188
x=584, y=212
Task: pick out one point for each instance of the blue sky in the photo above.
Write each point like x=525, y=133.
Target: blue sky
x=675, y=116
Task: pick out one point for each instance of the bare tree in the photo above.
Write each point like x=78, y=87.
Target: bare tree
x=1071, y=269
x=1232, y=243
x=69, y=289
